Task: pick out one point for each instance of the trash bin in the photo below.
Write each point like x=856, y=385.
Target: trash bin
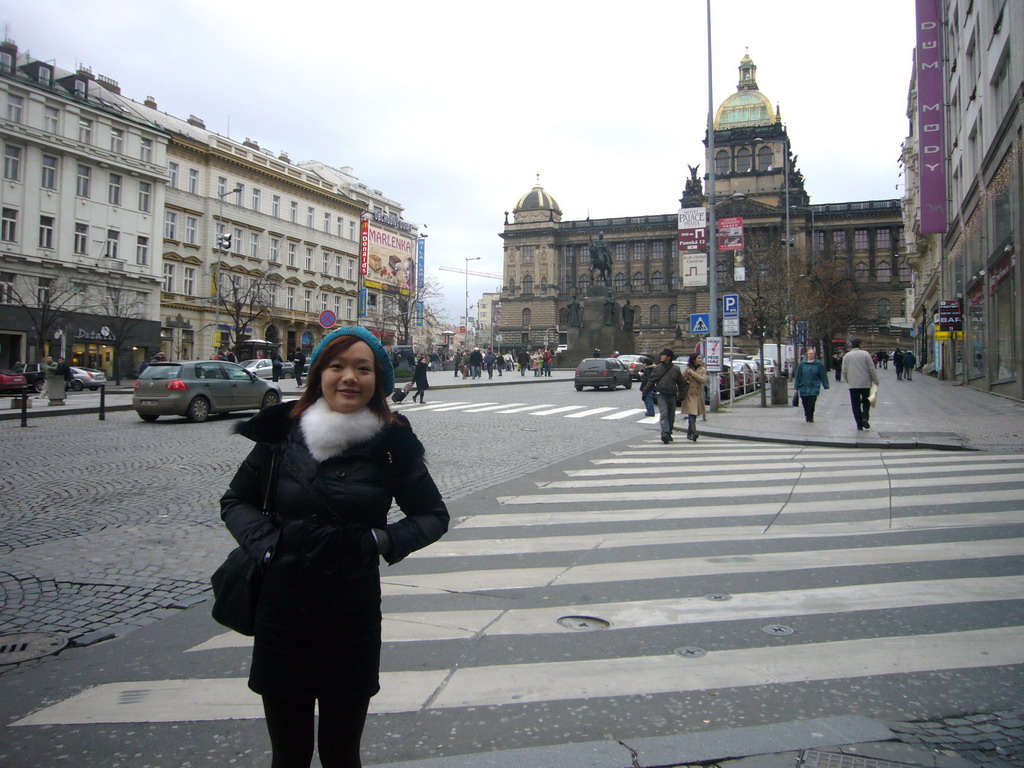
x=780, y=390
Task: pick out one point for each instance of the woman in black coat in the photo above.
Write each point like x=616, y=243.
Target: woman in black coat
x=419, y=378
x=328, y=467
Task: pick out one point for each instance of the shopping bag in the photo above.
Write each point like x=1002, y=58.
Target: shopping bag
x=872, y=398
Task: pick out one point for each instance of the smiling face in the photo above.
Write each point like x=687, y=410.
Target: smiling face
x=348, y=380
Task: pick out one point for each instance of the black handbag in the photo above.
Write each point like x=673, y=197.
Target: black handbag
x=796, y=398
x=236, y=584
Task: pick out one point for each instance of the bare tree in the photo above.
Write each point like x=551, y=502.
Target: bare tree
x=764, y=299
x=829, y=298
x=47, y=302
x=124, y=311
x=244, y=299
x=398, y=315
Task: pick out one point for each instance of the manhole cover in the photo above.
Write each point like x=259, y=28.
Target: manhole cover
x=690, y=652
x=23, y=646
x=717, y=597
x=583, y=623
x=778, y=629
x=812, y=758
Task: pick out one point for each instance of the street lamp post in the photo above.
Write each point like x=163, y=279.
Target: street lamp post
x=216, y=273
x=712, y=229
x=468, y=259
x=789, y=245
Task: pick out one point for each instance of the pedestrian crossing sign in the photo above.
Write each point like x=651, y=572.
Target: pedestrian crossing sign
x=700, y=323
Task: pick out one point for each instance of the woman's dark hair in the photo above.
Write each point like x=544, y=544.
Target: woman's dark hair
x=378, y=401
x=692, y=362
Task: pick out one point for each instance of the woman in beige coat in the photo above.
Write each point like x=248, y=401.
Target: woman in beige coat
x=693, y=404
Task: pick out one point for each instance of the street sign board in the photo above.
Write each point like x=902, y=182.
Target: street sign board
x=713, y=354
x=731, y=305
x=693, y=218
x=694, y=268
x=731, y=326
x=328, y=319
x=700, y=323
x=950, y=315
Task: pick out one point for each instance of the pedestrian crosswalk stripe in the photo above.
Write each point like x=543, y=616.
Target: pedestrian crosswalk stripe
x=702, y=463
x=432, y=406
x=468, y=686
x=562, y=409
x=525, y=408
x=624, y=414
x=490, y=407
x=591, y=412
x=460, y=406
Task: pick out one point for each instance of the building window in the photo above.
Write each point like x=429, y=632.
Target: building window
x=351, y=269
x=236, y=242
x=146, y=151
x=860, y=239
x=527, y=317
x=169, y=278
x=257, y=199
x=722, y=165
x=85, y=130
x=188, y=281
x=81, y=243
x=883, y=239
x=292, y=248
x=193, y=181
x=275, y=249
x=114, y=189
x=861, y=272
x=222, y=187
x=349, y=309
x=337, y=305
x=839, y=240
x=113, y=244
x=528, y=252
x=327, y=222
x=619, y=281
x=254, y=245
x=657, y=281
x=323, y=302
x=743, y=160
x=170, y=225
x=15, y=104
x=527, y=283
x=145, y=193
x=142, y=250
x=6, y=65
x=294, y=212
x=275, y=206
x=44, y=286
x=883, y=309
x=290, y=297
x=116, y=140
x=6, y=287
x=309, y=260
x=326, y=262
x=818, y=242
x=673, y=314
x=621, y=251
x=341, y=227
x=655, y=315
x=51, y=119
x=46, y=232
x=12, y=163
x=307, y=300
x=638, y=281
x=48, y=172
x=9, y=225
x=272, y=294
x=310, y=216
x=172, y=175
x=764, y=158
x=191, y=230
x=905, y=274
x=639, y=250
x=883, y=273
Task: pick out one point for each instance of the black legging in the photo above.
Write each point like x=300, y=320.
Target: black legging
x=290, y=725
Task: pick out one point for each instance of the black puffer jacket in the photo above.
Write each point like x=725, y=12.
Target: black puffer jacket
x=318, y=620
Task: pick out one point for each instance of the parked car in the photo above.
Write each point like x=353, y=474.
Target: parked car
x=196, y=388
x=264, y=368
x=770, y=366
x=743, y=374
x=34, y=374
x=93, y=378
x=12, y=382
x=635, y=364
x=600, y=372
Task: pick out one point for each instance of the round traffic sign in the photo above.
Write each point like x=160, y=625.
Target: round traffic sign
x=328, y=318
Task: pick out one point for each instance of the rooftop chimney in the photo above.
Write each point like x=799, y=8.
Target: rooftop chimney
x=193, y=120
x=149, y=102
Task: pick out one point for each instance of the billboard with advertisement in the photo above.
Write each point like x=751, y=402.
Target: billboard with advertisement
x=694, y=269
x=386, y=260
x=730, y=233
x=931, y=100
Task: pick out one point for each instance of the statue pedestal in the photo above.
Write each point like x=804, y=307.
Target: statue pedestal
x=595, y=334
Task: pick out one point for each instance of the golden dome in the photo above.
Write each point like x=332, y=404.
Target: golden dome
x=748, y=106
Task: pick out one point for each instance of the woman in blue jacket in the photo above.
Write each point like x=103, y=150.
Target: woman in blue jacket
x=810, y=377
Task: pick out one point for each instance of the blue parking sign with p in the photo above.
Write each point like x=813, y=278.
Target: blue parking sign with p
x=731, y=305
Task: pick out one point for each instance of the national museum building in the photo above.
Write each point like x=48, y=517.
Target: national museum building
x=547, y=261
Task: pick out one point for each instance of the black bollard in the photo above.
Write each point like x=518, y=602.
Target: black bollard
x=103, y=402
x=24, y=407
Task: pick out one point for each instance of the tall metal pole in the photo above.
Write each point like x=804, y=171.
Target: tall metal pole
x=789, y=269
x=216, y=269
x=714, y=394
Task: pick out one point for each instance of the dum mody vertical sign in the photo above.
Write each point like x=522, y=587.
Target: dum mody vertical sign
x=931, y=140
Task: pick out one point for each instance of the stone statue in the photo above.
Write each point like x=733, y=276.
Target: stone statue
x=628, y=316
x=609, y=310
x=574, y=317
x=601, y=259
x=693, y=186
x=679, y=332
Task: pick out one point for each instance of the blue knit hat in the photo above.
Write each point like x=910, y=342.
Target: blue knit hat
x=383, y=358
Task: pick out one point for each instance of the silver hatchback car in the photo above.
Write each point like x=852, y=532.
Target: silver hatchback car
x=196, y=388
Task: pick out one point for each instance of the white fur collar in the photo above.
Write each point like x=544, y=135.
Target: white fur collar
x=328, y=432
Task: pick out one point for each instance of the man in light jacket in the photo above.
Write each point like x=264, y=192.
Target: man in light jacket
x=859, y=373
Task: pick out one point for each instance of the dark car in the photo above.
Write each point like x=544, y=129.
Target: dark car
x=34, y=373
x=12, y=382
x=635, y=364
x=196, y=388
x=600, y=372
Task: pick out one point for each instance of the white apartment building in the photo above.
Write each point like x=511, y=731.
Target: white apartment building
x=82, y=196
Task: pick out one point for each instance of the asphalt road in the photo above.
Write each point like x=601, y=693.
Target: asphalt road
x=596, y=585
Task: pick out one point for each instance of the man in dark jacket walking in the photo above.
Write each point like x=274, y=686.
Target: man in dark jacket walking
x=909, y=361
x=667, y=380
x=299, y=361
x=524, y=361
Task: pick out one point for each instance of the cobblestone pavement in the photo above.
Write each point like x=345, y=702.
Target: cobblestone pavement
x=107, y=526
x=993, y=739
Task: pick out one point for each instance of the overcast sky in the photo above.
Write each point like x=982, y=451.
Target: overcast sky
x=452, y=107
